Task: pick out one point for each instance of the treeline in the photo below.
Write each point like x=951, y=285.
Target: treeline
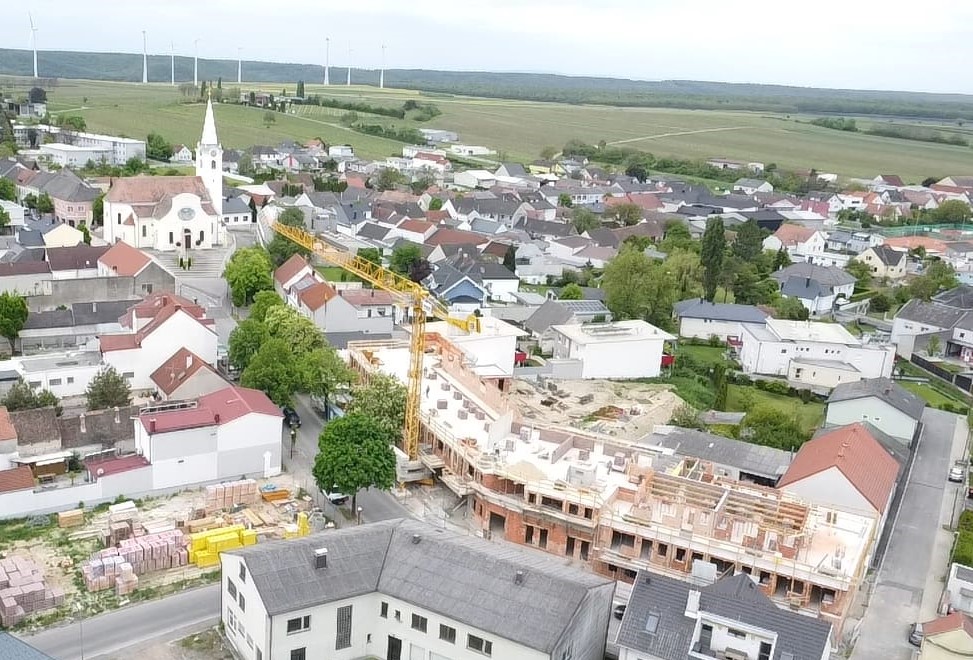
x=355, y=106
x=892, y=131
x=408, y=135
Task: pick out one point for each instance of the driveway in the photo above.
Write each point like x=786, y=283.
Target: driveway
x=914, y=557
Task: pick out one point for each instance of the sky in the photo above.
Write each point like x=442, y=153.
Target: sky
x=855, y=44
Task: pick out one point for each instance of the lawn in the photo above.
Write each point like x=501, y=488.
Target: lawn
x=705, y=355
x=809, y=415
x=519, y=130
x=336, y=274
x=932, y=396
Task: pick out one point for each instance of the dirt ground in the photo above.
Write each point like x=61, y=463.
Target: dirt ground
x=624, y=409
x=207, y=645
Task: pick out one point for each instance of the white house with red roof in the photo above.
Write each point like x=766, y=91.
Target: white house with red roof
x=186, y=376
x=798, y=241
x=290, y=273
x=159, y=326
x=181, y=154
x=122, y=260
x=225, y=434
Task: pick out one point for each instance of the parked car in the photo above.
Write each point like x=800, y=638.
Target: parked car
x=291, y=418
x=336, y=497
x=619, y=611
x=956, y=474
x=915, y=634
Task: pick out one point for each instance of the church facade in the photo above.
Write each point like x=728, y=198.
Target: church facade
x=171, y=213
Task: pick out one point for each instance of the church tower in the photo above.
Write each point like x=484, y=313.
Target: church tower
x=209, y=160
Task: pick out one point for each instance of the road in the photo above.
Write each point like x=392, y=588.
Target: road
x=172, y=617
x=908, y=564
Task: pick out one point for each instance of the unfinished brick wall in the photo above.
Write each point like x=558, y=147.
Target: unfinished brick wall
x=37, y=426
x=104, y=427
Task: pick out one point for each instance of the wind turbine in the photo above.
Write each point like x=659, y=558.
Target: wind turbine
x=381, y=77
x=33, y=41
x=196, y=63
x=172, y=63
x=239, y=66
x=327, y=59
x=145, y=61
x=349, y=64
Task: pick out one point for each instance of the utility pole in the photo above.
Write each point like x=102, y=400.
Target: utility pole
x=327, y=59
x=196, y=63
x=239, y=66
x=381, y=76
x=172, y=64
x=145, y=61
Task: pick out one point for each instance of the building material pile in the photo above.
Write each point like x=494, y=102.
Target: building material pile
x=119, y=566
x=230, y=494
x=107, y=570
x=205, y=547
x=24, y=591
x=72, y=518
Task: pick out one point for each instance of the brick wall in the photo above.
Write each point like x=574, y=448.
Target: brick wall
x=37, y=426
x=105, y=427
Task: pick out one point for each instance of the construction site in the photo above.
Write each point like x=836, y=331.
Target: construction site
x=93, y=560
x=557, y=466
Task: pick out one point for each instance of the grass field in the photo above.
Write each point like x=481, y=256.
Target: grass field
x=519, y=130
x=809, y=415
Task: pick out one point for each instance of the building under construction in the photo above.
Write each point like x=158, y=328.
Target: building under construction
x=612, y=504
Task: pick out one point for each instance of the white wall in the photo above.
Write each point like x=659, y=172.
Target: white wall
x=882, y=416
x=242, y=444
x=706, y=328
x=817, y=375
x=604, y=359
x=179, y=458
x=502, y=290
x=773, y=357
x=830, y=488
x=64, y=381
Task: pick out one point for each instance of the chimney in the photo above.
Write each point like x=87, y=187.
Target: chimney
x=94, y=307
x=81, y=425
x=118, y=419
x=216, y=418
x=189, y=361
x=416, y=538
x=321, y=558
x=692, y=604
x=807, y=281
x=519, y=577
x=152, y=425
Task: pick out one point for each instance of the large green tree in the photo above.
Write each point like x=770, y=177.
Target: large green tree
x=44, y=203
x=952, y=210
x=583, y=220
x=157, y=147
x=299, y=332
x=572, y=291
x=13, y=316
x=354, y=452
x=8, y=190
x=711, y=256
x=791, y=308
x=373, y=255
x=861, y=271
x=24, y=397
x=281, y=249
x=404, y=257
x=627, y=214
x=676, y=236
x=324, y=374
x=245, y=340
x=768, y=426
x=248, y=271
x=383, y=399
x=748, y=243
x=638, y=288
x=108, y=389
x=274, y=371
x=4, y=217
x=263, y=302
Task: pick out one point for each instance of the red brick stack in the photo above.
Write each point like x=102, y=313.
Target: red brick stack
x=230, y=494
x=119, y=567
x=24, y=591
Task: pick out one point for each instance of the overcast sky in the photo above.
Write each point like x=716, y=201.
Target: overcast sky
x=860, y=44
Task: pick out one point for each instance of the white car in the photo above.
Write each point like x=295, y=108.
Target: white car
x=337, y=498
x=956, y=474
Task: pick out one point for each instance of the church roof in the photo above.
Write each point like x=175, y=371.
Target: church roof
x=151, y=196
x=209, y=126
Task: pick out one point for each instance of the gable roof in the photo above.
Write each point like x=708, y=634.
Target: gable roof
x=698, y=308
x=949, y=623
x=887, y=255
x=366, y=297
x=78, y=257
x=289, y=269
x=144, y=189
x=430, y=568
x=219, y=407
x=315, y=294
x=177, y=370
x=934, y=314
x=125, y=260
x=960, y=297
x=12, y=648
x=792, y=235
x=121, y=342
x=18, y=478
x=24, y=267
x=884, y=389
x=825, y=275
x=764, y=461
x=734, y=597
x=866, y=464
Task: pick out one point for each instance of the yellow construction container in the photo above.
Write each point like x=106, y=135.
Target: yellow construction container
x=205, y=547
x=249, y=537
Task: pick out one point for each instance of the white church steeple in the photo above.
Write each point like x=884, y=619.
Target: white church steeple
x=209, y=160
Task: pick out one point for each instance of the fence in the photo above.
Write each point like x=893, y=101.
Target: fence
x=962, y=382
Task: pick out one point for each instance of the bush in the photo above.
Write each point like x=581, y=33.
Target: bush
x=963, y=550
x=774, y=387
x=881, y=303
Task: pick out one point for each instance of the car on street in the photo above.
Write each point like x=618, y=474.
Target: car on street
x=291, y=418
x=336, y=497
x=915, y=634
x=619, y=611
x=956, y=474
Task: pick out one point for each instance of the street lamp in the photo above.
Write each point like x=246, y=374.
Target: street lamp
x=79, y=609
x=359, y=518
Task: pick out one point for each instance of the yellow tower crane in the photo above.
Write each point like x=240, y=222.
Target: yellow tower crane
x=416, y=298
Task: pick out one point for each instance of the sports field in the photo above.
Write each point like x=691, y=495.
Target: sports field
x=519, y=130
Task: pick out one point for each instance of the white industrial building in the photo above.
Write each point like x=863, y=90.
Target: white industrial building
x=475, y=179
x=64, y=374
x=72, y=155
x=812, y=354
x=402, y=590
x=116, y=150
x=702, y=319
x=623, y=349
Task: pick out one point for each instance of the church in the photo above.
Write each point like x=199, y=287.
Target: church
x=171, y=213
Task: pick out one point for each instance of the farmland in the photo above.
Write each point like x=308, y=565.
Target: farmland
x=518, y=130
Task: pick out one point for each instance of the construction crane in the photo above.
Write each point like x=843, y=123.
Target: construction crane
x=415, y=297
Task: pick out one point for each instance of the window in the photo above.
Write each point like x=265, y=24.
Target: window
x=738, y=634
x=384, y=611
x=243, y=573
x=479, y=645
x=447, y=633
x=34, y=383
x=201, y=235
x=398, y=615
x=652, y=623
x=54, y=381
x=127, y=374
x=170, y=238
x=299, y=654
x=419, y=623
x=146, y=288
x=231, y=589
x=70, y=379
x=145, y=231
x=243, y=603
x=212, y=165
x=343, y=638
x=300, y=624
x=119, y=219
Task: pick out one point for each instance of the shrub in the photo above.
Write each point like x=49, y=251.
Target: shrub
x=774, y=387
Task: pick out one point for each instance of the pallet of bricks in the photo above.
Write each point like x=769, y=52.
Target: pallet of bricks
x=230, y=494
x=119, y=567
x=205, y=547
x=107, y=570
x=23, y=591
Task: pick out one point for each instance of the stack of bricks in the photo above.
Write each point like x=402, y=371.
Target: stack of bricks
x=230, y=494
x=155, y=552
x=105, y=569
x=23, y=591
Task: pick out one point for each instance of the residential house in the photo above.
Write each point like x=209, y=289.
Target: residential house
x=290, y=273
x=186, y=376
x=578, y=194
x=751, y=186
x=812, y=354
x=959, y=588
x=350, y=593
x=354, y=310
x=219, y=436
x=15, y=212
x=852, y=242
x=801, y=243
x=77, y=327
x=671, y=619
x=473, y=179
x=881, y=402
x=73, y=198
x=25, y=278
x=819, y=288
x=64, y=374
x=617, y=350
x=726, y=164
x=888, y=180
x=511, y=170
x=469, y=150
x=702, y=319
x=182, y=154
x=563, y=312
x=917, y=321
x=73, y=263
x=11, y=647
x=458, y=290
x=498, y=281
x=885, y=262
x=949, y=637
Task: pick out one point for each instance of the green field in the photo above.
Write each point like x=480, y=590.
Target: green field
x=519, y=130
x=809, y=415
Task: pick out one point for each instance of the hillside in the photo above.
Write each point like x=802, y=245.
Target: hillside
x=525, y=86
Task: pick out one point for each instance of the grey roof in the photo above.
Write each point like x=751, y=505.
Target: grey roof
x=826, y=275
x=888, y=255
x=548, y=228
x=755, y=459
x=930, y=313
x=79, y=257
x=697, y=308
x=440, y=573
x=235, y=205
x=108, y=311
x=514, y=169
x=374, y=231
x=30, y=238
x=804, y=288
x=884, y=389
x=733, y=597
x=12, y=648
x=66, y=186
x=590, y=293
x=339, y=340
x=559, y=312
x=57, y=318
x=749, y=183
x=960, y=297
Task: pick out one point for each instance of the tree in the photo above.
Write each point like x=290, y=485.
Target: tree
x=952, y=210
x=292, y=217
x=382, y=398
x=300, y=89
x=98, y=210
x=420, y=270
x=13, y=316
x=8, y=190
x=933, y=346
x=248, y=271
x=269, y=118
x=157, y=148
x=627, y=282
x=676, y=236
x=263, y=302
x=4, y=217
x=720, y=386
x=791, y=308
x=108, y=389
x=281, y=249
x=324, y=374
x=584, y=220
x=245, y=340
x=252, y=98
x=202, y=90
x=354, y=452
x=880, y=303
x=564, y=200
x=274, y=371
x=861, y=271
x=781, y=259
x=750, y=289
x=685, y=416
x=85, y=233
x=711, y=256
x=74, y=122
x=435, y=204
x=37, y=95
x=571, y=292
x=372, y=255
x=939, y=275
x=22, y=396
x=388, y=179
x=403, y=257
x=547, y=153
x=637, y=171
x=44, y=203
x=769, y=426
x=627, y=214
x=684, y=269
x=422, y=184
x=299, y=332
x=749, y=241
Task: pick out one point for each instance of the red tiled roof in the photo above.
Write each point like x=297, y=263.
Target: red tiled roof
x=134, y=339
x=220, y=407
x=287, y=270
x=7, y=429
x=18, y=478
x=177, y=370
x=417, y=226
x=315, y=296
x=793, y=234
x=910, y=242
x=893, y=180
x=866, y=464
x=102, y=467
x=948, y=623
x=437, y=217
x=124, y=260
x=153, y=189
x=449, y=236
